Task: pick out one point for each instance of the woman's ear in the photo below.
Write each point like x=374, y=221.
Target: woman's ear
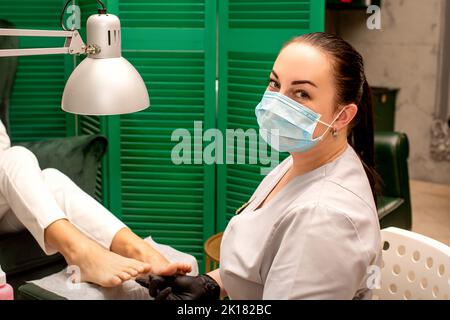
x=348, y=112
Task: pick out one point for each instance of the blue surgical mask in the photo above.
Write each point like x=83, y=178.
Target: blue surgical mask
x=286, y=125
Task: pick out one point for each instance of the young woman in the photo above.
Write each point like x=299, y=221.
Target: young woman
x=310, y=230
x=62, y=218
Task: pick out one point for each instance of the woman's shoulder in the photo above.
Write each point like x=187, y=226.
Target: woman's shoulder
x=323, y=219
x=355, y=212
x=339, y=202
x=342, y=185
x=346, y=182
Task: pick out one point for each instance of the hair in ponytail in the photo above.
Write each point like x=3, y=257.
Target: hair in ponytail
x=361, y=138
x=351, y=87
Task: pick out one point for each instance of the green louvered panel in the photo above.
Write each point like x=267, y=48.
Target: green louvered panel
x=35, y=110
x=247, y=80
x=159, y=197
x=172, y=45
x=31, y=13
x=251, y=32
x=35, y=106
x=270, y=14
x=162, y=13
x=92, y=125
x=89, y=124
x=87, y=8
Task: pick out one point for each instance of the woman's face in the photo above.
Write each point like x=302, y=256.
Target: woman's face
x=304, y=74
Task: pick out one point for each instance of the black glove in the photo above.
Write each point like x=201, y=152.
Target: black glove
x=182, y=287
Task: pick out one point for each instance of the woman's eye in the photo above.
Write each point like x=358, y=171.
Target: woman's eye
x=273, y=84
x=302, y=94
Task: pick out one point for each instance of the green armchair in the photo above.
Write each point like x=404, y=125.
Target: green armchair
x=394, y=206
x=77, y=157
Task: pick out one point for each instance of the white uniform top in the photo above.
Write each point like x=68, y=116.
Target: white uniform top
x=5, y=143
x=315, y=239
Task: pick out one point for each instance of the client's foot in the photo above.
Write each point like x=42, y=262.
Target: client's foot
x=96, y=264
x=128, y=244
x=102, y=267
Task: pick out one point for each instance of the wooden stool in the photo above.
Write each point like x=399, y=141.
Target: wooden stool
x=212, y=252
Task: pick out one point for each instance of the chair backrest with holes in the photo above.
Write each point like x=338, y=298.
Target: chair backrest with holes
x=414, y=267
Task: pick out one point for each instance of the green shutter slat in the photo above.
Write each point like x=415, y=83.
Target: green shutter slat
x=261, y=14
x=162, y=14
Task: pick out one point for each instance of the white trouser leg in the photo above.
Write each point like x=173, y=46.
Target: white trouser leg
x=89, y=216
x=39, y=198
x=23, y=190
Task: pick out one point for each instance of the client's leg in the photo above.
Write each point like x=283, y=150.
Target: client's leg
x=102, y=226
x=96, y=264
x=23, y=188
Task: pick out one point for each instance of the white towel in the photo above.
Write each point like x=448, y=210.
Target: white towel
x=60, y=284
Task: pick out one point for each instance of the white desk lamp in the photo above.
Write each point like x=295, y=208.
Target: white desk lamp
x=104, y=83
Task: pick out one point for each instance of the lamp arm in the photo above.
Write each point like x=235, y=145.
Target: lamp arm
x=73, y=43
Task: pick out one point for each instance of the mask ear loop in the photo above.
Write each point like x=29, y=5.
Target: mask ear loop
x=330, y=125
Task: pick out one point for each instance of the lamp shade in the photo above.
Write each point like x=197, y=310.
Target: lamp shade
x=105, y=87
x=104, y=83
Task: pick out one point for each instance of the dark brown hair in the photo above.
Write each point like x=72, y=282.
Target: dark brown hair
x=351, y=87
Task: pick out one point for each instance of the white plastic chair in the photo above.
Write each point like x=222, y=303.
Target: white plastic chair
x=414, y=267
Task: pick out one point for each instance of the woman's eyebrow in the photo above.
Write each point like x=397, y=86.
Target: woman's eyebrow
x=297, y=81
x=275, y=74
x=304, y=82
